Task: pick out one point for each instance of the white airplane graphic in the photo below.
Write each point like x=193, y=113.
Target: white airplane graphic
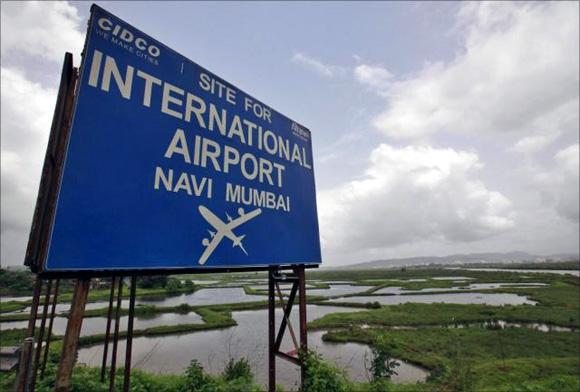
x=224, y=230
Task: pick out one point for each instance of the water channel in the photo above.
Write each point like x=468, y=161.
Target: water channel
x=172, y=354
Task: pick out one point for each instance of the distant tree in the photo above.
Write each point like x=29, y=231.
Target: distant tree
x=173, y=285
x=152, y=282
x=16, y=281
x=188, y=285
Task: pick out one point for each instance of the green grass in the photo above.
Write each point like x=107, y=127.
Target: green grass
x=435, y=347
x=12, y=306
x=511, y=360
x=528, y=374
x=12, y=337
x=415, y=314
x=14, y=317
x=86, y=379
x=389, y=276
x=548, y=265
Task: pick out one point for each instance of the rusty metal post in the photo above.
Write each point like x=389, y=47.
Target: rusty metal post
x=116, y=336
x=302, y=315
x=50, y=324
x=24, y=365
x=271, y=332
x=108, y=331
x=40, y=338
x=72, y=334
x=129, y=345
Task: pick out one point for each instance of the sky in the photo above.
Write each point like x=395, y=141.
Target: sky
x=438, y=128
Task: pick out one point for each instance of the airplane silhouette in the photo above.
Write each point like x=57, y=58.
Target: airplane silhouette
x=224, y=230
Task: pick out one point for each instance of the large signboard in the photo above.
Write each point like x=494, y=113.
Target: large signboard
x=169, y=167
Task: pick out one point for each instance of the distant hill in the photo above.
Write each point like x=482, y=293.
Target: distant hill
x=509, y=257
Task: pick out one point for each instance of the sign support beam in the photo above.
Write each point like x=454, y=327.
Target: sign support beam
x=108, y=329
x=271, y=332
x=72, y=334
x=298, y=280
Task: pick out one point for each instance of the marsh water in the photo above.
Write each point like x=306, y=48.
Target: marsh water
x=97, y=325
x=532, y=271
x=452, y=298
x=172, y=354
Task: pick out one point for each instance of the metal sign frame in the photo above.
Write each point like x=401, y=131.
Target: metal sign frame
x=54, y=163
x=36, y=254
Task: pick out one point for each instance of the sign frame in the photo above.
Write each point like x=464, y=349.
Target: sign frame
x=51, y=183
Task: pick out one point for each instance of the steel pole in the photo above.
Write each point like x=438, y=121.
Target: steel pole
x=129, y=346
x=302, y=311
x=50, y=324
x=271, y=332
x=38, y=352
x=116, y=336
x=108, y=330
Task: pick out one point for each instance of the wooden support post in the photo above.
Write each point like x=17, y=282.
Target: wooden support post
x=129, y=345
x=24, y=365
x=108, y=330
x=271, y=332
x=72, y=334
x=302, y=311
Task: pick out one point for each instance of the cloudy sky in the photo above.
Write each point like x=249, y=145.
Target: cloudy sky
x=438, y=128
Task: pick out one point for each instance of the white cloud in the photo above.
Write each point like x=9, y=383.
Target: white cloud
x=26, y=114
x=518, y=64
x=376, y=77
x=568, y=179
x=556, y=182
x=316, y=65
x=409, y=195
x=41, y=28
x=35, y=35
x=532, y=144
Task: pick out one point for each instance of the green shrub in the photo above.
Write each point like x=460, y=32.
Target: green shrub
x=183, y=308
x=322, y=376
x=462, y=377
x=238, y=370
x=381, y=365
x=195, y=379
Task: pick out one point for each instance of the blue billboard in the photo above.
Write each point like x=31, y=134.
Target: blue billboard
x=170, y=167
